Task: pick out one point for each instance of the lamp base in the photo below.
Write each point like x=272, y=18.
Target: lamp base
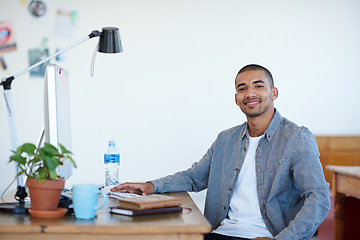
x=14, y=207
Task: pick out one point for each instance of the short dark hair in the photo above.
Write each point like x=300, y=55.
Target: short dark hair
x=255, y=67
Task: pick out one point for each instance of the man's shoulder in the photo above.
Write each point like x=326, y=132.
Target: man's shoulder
x=234, y=131
x=291, y=127
x=289, y=124
x=279, y=122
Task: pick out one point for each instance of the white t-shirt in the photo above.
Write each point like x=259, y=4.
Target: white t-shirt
x=245, y=219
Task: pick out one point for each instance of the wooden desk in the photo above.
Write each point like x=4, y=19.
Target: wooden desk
x=346, y=181
x=338, y=150
x=188, y=225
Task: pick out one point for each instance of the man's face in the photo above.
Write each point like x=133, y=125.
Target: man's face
x=254, y=95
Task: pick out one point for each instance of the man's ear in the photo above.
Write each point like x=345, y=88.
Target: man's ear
x=236, y=99
x=275, y=93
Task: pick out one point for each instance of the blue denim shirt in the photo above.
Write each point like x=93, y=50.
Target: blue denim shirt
x=293, y=194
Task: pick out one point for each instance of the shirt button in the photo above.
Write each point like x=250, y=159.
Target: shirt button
x=244, y=149
x=230, y=188
x=236, y=169
x=259, y=170
x=224, y=207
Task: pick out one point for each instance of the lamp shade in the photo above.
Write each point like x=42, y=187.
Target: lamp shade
x=110, y=40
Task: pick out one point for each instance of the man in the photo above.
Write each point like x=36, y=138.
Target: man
x=264, y=177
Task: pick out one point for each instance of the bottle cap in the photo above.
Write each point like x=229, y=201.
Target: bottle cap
x=112, y=143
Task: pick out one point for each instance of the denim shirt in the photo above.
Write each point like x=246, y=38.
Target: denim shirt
x=293, y=194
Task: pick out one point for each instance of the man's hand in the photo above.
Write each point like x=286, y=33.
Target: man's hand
x=138, y=188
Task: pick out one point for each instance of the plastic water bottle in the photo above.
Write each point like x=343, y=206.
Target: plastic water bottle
x=112, y=163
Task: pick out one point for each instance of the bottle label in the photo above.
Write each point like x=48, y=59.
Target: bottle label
x=111, y=158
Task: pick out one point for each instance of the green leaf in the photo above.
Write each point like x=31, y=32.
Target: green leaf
x=53, y=174
x=73, y=162
x=64, y=150
x=42, y=154
x=50, y=149
x=29, y=148
x=18, y=158
x=42, y=176
x=52, y=163
x=19, y=150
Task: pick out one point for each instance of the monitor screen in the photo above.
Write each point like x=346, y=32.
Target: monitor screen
x=57, y=112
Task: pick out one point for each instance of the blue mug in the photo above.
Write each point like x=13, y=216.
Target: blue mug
x=85, y=200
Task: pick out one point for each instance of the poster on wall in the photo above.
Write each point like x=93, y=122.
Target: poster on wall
x=65, y=21
x=7, y=37
x=36, y=55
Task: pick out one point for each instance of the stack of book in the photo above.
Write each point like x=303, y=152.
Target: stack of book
x=135, y=205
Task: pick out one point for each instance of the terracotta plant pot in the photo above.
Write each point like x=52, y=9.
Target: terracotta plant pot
x=45, y=196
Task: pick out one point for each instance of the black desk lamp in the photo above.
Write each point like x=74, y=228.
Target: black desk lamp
x=109, y=42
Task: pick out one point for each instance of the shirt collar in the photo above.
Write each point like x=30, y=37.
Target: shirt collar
x=269, y=131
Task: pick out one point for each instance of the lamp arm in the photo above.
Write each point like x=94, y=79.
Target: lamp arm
x=6, y=82
x=12, y=128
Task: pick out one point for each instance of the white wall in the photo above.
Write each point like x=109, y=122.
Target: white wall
x=171, y=91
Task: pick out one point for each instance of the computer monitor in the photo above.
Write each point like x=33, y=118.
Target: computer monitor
x=57, y=120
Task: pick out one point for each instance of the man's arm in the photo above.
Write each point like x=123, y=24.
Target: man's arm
x=192, y=179
x=309, y=179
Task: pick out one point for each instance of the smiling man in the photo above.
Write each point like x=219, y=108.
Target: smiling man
x=264, y=179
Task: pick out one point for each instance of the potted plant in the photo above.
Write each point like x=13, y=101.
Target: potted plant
x=39, y=165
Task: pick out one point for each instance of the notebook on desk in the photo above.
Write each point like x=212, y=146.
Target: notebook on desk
x=138, y=202
x=131, y=212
